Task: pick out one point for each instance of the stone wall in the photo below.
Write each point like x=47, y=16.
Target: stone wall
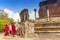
x=52, y=19
x=29, y=29
x=54, y=10
x=42, y=25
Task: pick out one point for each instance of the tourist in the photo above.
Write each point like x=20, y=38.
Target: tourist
x=6, y=30
x=13, y=30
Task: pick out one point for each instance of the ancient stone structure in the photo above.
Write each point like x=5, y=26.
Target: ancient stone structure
x=35, y=12
x=29, y=28
x=24, y=15
x=21, y=29
x=49, y=9
x=53, y=6
x=26, y=29
x=48, y=21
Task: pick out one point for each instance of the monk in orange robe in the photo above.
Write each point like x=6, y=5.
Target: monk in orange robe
x=13, y=30
x=6, y=30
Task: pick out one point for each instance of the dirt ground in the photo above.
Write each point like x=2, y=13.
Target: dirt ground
x=41, y=36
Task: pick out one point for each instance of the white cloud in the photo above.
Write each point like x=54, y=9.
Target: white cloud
x=13, y=15
x=32, y=15
x=16, y=16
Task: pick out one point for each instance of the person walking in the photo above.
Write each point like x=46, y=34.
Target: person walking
x=13, y=30
x=6, y=30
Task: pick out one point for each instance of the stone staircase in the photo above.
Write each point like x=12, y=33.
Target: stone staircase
x=47, y=27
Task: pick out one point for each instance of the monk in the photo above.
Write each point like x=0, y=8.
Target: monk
x=13, y=30
x=6, y=30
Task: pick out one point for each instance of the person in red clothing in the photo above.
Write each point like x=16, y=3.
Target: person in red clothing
x=13, y=30
x=6, y=30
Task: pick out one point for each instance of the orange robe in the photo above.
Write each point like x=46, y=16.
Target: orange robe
x=13, y=30
x=6, y=30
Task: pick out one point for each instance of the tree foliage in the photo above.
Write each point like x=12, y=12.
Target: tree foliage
x=4, y=20
x=2, y=24
x=10, y=20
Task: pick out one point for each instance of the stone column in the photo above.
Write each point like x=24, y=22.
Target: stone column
x=24, y=17
x=35, y=12
x=48, y=16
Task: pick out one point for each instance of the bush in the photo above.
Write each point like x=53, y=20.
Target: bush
x=2, y=24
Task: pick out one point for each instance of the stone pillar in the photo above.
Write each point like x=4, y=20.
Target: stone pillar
x=48, y=16
x=35, y=12
x=24, y=17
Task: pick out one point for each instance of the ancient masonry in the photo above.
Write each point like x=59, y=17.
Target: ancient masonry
x=48, y=21
x=49, y=17
x=24, y=15
x=24, y=24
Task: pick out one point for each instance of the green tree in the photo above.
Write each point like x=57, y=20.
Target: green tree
x=11, y=20
x=4, y=20
x=2, y=24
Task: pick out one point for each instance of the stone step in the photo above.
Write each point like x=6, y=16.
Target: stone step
x=46, y=27
x=39, y=30
x=47, y=24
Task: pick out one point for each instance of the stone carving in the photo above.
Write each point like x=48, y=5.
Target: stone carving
x=24, y=15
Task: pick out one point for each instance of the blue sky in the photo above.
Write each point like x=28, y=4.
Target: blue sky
x=14, y=7
x=18, y=5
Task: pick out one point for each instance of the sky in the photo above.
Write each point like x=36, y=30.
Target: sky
x=15, y=6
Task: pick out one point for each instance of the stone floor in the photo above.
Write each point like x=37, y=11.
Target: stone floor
x=41, y=36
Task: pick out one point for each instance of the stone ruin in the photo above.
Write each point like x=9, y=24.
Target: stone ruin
x=48, y=10
x=26, y=26
x=24, y=15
